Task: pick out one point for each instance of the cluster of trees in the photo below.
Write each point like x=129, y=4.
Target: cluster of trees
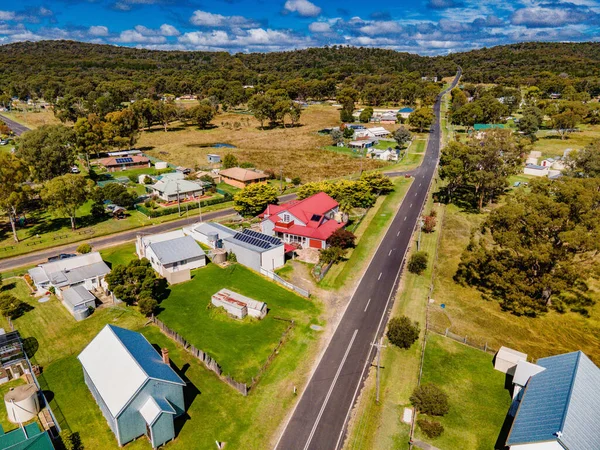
x=275, y=105
x=421, y=119
x=339, y=243
x=429, y=399
x=477, y=172
x=137, y=284
x=254, y=198
x=486, y=109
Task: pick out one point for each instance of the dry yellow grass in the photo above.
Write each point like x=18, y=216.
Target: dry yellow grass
x=33, y=119
x=299, y=151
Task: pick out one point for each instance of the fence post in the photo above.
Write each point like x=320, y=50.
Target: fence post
x=485, y=349
x=465, y=339
x=446, y=333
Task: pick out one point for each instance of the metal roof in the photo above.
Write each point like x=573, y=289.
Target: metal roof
x=214, y=227
x=154, y=407
x=32, y=439
x=176, y=250
x=255, y=241
x=71, y=270
x=119, y=362
x=170, y=186
x=232, y=298
x=77, y=295
x=561, y=403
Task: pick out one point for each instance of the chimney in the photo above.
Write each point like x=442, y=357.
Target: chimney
x=165, y=355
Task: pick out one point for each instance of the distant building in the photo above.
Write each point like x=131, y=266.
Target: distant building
x=114, y=164
x=172, y=255
x=557, y=406
x=213, y=158
x=240, y=178
x=367, y=143
x=370, y=133
x=136, y=389
x=405, y=112
x=239, y=305
x=388, y=119
x=308, y=223
x=536, y=171
x=487, y=126
x=384, y=155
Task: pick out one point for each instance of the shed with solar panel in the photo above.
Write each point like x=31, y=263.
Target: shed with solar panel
x=125, y=162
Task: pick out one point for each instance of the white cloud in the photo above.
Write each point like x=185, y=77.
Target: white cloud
x=538, y=17
x=136, y=37
x=304, y=8
x=218, y=38
x=98, y=30
x=169, y=30
x=380, y=28
x=253, y=39
x=320, y=27
x=210, y=20
x=7, y=15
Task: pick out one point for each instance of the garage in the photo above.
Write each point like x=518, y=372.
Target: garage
x=315, y=243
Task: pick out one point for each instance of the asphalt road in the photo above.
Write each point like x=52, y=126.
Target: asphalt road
x=17, y=128
x=320, y=418
x=101, y=242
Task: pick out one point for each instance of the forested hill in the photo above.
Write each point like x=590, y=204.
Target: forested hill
x=61, y=67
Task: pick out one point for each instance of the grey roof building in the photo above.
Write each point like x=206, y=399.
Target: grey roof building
x=559, y=406
x=172, y=185
x=78, y=301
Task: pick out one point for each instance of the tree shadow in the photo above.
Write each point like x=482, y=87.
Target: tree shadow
x=30, y=346
x=8, y=286
x=464, y=198
x=20, y=310
x=48, y=395
x=162, y=130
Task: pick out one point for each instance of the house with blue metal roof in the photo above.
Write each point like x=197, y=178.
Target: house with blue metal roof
x=559, y=407
x=136, y=389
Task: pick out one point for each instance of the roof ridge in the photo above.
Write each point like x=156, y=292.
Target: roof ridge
x=568, y=402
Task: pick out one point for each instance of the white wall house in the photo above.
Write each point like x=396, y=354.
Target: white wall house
x=172, y=255
x=536, y=171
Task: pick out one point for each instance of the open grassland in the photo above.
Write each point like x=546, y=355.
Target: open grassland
x=188, y=310
x=33, y=119
x=214, y=410
x=551, y=145
x=380, y=426
x=298, y=150
x=476, y=394
x=467, y=313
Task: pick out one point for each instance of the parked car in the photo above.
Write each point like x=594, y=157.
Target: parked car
x=61, y=256
x=75, y=169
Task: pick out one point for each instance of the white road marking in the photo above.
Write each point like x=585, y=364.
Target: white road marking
x=367, y=305
x=420, y=184
x=337, y=374
x=390, y=252
x=411, y=205
x=405, y=218
x=379, y=277
x=398, y=234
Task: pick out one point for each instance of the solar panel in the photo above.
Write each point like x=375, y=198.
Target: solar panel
x=124, y=160
x=263, y=237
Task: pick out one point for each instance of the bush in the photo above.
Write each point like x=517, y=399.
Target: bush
x=12, y=307
x=430, y=399
x=332, y=255
x=147, y=305
x=429, y=224
x=430, y=428
x=342, y=238
x=231, y=257
x=402, y=332
x=296, y=181
x=417, y=263
x=84, y=248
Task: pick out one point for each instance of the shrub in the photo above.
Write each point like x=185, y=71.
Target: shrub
x=84, y=248
x=12, y=307
x=429, y=224
x=296, y=181
x=342, y=238
x=417, y=263
x=402, y=332
x=231, y=257
x=430, y=399
x=147, y=305
x=430, y=428
x=332, y=255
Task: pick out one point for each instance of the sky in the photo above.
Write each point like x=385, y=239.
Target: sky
x=428, y=27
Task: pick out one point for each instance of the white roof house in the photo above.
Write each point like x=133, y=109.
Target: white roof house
x=506, y=360
x=171, y=185
x=132, y=384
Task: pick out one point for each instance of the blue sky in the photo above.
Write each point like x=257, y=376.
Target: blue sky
x=426, y=27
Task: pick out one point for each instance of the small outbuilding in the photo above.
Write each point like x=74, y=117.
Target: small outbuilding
x=239, y=305
x=79, y=301
x=536, y=171
x=114, y=164
x=506, y=360
x=213, y=158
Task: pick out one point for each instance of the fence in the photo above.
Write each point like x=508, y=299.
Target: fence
x=274, y=353
x=273, y=276
x=185, y=207
x=475, y=342
x=319, y=270
x=207, y=360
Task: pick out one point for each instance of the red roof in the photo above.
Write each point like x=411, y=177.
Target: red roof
x=323, y=232
x=135, y=159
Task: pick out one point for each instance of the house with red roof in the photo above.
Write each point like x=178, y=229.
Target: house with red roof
x=308, y=223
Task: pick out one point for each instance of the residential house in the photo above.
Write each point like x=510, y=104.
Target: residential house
x=79, y=301
x=384, y=155
x=240, y=178
x=506, y=360
x=173, y=186
x=558, y=407
x=405, y=112
x=388, y=118
x=136, y=389
x=115, y=164
x=239, y=305
x=371, y=133
x=307, y=223
x=252, y=249
x=213, y=174
x=86, y=270
x=172, y=255
x=536, y=171
x=367, y=143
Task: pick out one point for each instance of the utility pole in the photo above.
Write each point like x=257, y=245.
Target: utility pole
x=379, y=347
x=281, y=179
x=421, y=223
x=178, y=202
x=200, y=209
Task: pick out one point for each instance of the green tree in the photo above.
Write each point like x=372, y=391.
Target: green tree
x=260, y=107
x=121, y=128
x=13, y=193
x=417, y=263
x=342, y=238
x=535, y=250
x=564, y=122
x=254, y=198
x=66, y=194
x=365, y=115
x=459, y=99
x=12, y=307
x=145, y=111
x=147, y=305
x=348, y=133
x=331, y=255
x=166, y=112
x=402, y=332
x=295, y=113
x=229, y=161
x=137, y=283
x=430, y=399
x=430, y=428
x=116, y=193
x=402, y=136
x=89, y=136
x=378, y=183
x=84, y=248
x=201, y=114
x=421, y=119
x=337, y=136
x=530, y=122
x=585, y=163
x=49, y=151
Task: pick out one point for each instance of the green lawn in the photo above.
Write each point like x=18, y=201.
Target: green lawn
x=550, y=144
x=215, y=410
x=369, y=234
x=478, y=400
x=228, y=188
x=187, y=311
x=120, y=254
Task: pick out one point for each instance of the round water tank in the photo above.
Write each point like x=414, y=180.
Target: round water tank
x=219, y=256
x=159, y=165
x=22, y=403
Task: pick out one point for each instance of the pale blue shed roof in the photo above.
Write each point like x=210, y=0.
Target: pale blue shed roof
x=562, y=404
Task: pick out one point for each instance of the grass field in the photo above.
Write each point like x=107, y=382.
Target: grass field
x=297, y=150
x=477, y=397
x=551, y=145
x=467, y=313
x=33, y=119
x=369, y=234
x=216, y=412
x=187, y=311
x=120, y=254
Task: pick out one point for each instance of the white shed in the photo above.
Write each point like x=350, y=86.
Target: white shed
x=506, y=360
x=239, y=305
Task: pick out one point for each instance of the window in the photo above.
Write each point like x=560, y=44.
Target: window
x=286, y=217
